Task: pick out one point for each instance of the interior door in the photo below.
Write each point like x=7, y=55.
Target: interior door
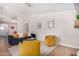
x=26, y=27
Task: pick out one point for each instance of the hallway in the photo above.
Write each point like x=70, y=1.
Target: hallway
x=4, y=47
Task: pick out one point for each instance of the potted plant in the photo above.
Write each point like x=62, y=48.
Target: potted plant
x=77, y=21
x=77, y=16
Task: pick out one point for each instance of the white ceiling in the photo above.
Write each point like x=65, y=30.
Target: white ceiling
x=21, y=9
x=35, y=8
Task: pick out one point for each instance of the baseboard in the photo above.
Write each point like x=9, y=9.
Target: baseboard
x=68, y=45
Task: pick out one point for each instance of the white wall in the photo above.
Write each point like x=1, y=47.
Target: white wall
x=8, y=12
x=64, y=27
x=64, y=21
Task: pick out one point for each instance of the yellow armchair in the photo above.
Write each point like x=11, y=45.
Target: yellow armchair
x=29, y=48
x=50, y=40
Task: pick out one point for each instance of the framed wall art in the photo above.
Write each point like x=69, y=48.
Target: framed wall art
x=39, y=25
x=51, y=24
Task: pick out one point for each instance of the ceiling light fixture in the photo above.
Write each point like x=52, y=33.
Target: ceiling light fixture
x=28, y=4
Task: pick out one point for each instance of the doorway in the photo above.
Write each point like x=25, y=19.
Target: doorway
x=4, y=39
x=4, y=29
x=26, y=27
x=3, y=34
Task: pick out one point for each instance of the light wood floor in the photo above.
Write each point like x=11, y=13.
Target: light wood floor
x=58, y=51
x=4, y=47
x=63, y=51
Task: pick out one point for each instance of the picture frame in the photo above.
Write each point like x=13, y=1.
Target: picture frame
x=12, y=27
x=51, y=24
x=39, y=25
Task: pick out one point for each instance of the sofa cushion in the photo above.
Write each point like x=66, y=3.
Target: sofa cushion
x=25, y=34
x=15, y=34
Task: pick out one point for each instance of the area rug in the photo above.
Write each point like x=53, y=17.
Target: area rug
x=43, y=50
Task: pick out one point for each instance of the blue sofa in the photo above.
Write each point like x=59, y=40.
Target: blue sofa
x=15, y=41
